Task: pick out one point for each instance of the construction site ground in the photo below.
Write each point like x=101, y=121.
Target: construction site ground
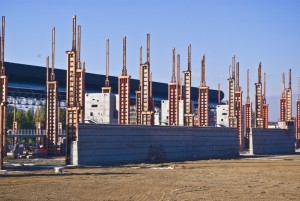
x=247, y=178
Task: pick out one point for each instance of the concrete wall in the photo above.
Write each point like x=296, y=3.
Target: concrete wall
x=116, y=144
x=272, y=141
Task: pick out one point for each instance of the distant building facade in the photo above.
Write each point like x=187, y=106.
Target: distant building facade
x=222, y=116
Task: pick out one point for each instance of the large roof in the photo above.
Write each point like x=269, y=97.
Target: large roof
x=34, y=78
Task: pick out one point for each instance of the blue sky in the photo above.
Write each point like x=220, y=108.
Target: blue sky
x=257, y=30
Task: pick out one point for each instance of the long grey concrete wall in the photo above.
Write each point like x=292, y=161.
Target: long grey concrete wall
x=116, y=144
x=272, y=141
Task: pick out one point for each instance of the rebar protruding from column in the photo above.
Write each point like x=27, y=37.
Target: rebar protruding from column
x=2, y=42
x=233, y=67
x=79, y=47
x=290, y=78
x=173, y=79
x=178, y=77
x=248, y=86
x=2, y=45
x=259, y=73
x=52, y=76
x=124, y=70
x=141, y=55
x=74, y=34
x=265, y=86
x=237, y=77
x=283, y=85
x=2, y=68
x=141, y=63
x=178, y=69
x=189, y=57
x=107, y=63
x=203, y=82
x=148, y=48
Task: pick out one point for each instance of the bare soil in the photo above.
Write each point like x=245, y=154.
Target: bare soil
x=259, y=178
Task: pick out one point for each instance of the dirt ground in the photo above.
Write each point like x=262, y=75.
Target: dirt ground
x=249, y=178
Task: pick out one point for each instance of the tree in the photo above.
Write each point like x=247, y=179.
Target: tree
x=20, y=117
x=42, y=116
x=29, y=119
x=62, y=117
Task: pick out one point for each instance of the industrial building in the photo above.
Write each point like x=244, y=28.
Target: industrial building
x=27, y=84
x=101, y=108
x=222, y=116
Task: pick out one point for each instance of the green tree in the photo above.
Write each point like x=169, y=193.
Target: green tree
x=41, y=112
x=62, y=117
x=29, y=119
x=20, y=117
